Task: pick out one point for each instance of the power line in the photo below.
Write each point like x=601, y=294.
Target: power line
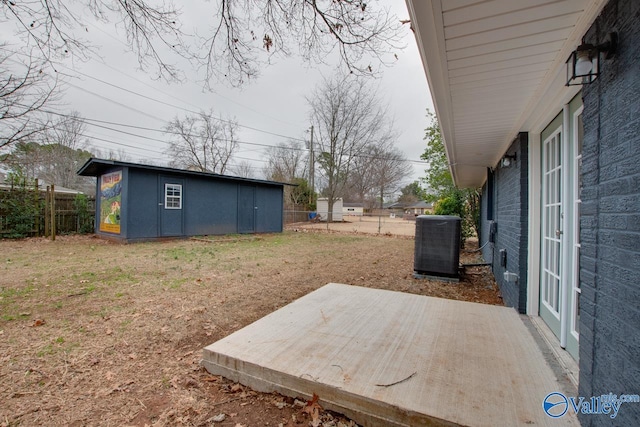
x=120, y=104
x=123, y=144
x=162, y=92
x=89, y=120
x=167, y=104
x=157, y=101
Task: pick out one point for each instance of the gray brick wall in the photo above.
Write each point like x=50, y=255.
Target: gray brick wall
x=510, y=210
x=610, y=220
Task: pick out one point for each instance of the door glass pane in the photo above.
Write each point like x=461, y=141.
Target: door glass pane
x=552, y=181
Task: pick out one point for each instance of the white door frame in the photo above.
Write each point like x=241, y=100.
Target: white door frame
x=566, y=286
x=533, y=252
x=569, y=224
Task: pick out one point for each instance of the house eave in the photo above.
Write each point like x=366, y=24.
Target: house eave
x=495, y=69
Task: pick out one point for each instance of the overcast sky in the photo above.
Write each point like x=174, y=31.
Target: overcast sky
x=113, y=90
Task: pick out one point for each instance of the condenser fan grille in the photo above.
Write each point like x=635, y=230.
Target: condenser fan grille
x=437, y=250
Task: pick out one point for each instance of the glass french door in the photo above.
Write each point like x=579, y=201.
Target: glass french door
x=551, y=261
x=561, y=160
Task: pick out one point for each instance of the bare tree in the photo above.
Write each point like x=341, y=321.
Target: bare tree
x=243, y=169
x=24, y=90
x=65, y=150
x=286, y=161
x=347, y=117
x=68, y=131
x=46, y=30
x=362, y=179
x=54, y=28
x=242, y=38
x=120, y=154
x=202, y=142
x=60, y=151
x=378, y=172
x=364, y=35
x=390, y=169
x=242, y=35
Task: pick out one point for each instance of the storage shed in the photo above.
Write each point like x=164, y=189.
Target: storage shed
x=145, y=202
x=323, y=209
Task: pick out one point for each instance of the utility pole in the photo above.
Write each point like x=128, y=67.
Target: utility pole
x=312, y=168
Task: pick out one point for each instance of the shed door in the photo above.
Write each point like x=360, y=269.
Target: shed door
x=171, y=206
x=246, y=209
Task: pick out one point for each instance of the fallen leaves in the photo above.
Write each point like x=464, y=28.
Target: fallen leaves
x=212, y=378
x=38, y=322
x=313, y=409
x=151, y=324
x=190, y=383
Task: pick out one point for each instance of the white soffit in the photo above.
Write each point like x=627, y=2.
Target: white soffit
x=491, y=66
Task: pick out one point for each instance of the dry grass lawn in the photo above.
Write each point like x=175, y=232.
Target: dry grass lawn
x=99, y=333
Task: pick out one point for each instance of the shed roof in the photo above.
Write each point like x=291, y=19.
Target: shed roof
x=96, y=167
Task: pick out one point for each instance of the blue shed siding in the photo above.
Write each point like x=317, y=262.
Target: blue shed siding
x=509, y=208
x=211, y=204
x=610, y=219
x=269, y=202
x=140, y=208
x=210, y=208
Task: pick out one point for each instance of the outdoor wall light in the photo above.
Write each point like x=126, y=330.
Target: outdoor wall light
x=507, y=160
x=583, y=65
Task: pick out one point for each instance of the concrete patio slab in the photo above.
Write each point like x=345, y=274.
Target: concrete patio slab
x=390, y=358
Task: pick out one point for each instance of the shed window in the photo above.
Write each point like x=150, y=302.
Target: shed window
x=173, y=196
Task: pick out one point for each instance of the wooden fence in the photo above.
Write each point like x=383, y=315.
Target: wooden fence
x=27, y=211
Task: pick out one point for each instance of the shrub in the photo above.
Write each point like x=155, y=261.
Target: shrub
x=84, y=214
x=20, y=206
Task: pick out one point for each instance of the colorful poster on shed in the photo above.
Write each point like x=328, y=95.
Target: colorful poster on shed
x=110, y=202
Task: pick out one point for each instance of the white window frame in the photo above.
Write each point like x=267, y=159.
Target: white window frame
x=170, y=199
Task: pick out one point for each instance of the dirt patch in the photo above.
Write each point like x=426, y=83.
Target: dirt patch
x=98, y=333
x=383, y=225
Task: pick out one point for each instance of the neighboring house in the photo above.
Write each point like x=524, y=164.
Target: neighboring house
x=559, y=165
x=142, y=202
x=410, y=210
x=42, y=186
x=395, y=209
x=419, y=208
x=356, y=209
